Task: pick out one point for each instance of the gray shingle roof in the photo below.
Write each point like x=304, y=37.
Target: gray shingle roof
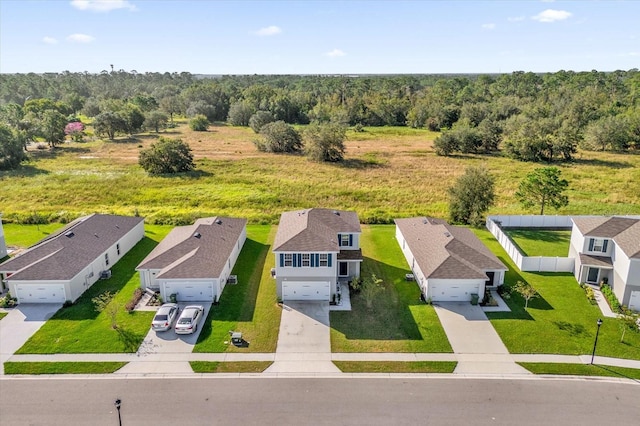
x=314, y=229
x=445, y=251
x=624, y=231
x=182, y=255
x=62, y=257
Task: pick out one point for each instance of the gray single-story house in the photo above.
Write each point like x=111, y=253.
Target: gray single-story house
x=448, y=262
x=65, y=264
x=194, y=262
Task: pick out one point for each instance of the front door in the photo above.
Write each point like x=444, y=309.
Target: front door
x=592, y=275
x=343, y=269
x=490, y=276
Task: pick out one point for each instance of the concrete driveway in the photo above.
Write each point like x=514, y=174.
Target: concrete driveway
x=21, y=323
x=475, y=342
x=304, y=343
x=166, y=342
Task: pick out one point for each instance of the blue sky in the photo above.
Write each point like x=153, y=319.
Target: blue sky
x=318, y=37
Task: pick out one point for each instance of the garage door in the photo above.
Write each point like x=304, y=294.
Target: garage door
x=307, y=290
x=190, y=291
x=634, y=301
x=452, y=292
x=40, y=293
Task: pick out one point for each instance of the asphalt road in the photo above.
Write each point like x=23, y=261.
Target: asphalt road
x=283, y=401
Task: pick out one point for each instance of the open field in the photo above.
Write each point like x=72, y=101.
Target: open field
x=388, y=173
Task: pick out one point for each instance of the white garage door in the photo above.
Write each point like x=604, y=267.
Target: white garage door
x=40, y=293
x=190, y=291
x=306, y=290
x=452, y=292
x=634, y=301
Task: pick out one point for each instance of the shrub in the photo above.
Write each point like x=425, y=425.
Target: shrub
x=8, y=301
x=591, y=296
x=199, y=123
x=611, y=298
x=167, y=156
x=259, y=119
x=131, y=304
x=279, y=137
x=67, y=303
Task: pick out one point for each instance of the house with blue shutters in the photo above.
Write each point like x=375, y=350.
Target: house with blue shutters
x=315, y=250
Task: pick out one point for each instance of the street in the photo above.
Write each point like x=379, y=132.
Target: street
x=296, y=401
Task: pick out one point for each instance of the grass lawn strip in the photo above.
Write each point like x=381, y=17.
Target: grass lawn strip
x=398, y=320
x=249, y=306
x=62, y=367
x=396, y=366
x=80, y=329
x=560, y=321
x=581, y=370
x=541, y=242
x=3, y=314
x=229, y=367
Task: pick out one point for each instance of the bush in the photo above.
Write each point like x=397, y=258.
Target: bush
x=167, y=156
x=8, y=301
x=131, y=304
x=325, y=142
x=591, y=296
x=279, y=137
x=611, y=298
x=259, y=119
x=67, y=303
x=199, y=123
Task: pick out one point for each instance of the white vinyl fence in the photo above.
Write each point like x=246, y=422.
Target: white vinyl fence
x=530, y=263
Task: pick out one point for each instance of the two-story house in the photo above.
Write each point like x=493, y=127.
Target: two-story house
x=315, y=249
x=608, y=249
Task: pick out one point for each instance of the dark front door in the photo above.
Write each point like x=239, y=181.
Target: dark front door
x=592, y=276
x=490, y=276
x=343, y=269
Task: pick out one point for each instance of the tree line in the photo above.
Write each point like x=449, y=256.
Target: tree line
x=528, y=116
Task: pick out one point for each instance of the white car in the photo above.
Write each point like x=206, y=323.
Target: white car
x=189, y=318
x=165, y=316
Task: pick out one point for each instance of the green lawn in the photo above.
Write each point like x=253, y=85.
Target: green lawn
x=229, y=367
x=581, y=370
x=62, y=367
x=80, y=329
x=3, y=314
x=396, y=366
x=249, y=306
x=398, y=320
x=24, y=236
x=560, y=321
x=540, y=242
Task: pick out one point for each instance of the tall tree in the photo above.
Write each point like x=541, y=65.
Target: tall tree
x=543, y=187
x=167, y=156
x=11, y=149
x=109, y=123
x=52, y=127
x=471, y=196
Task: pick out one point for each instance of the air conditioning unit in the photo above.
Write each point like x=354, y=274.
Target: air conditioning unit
x=233, y=279
x=273, y=272
x=105, y=275
x=409, y=277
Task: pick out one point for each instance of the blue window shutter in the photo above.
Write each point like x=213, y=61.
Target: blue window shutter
x=317, y=259
x=350, y=240
x=329, y=259
x=604, y=245
x=313, y=260
x=340, y=240
x=281, y=260
x=591, y=242
x=299, y=260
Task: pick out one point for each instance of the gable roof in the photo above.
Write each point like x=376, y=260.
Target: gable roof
x=200, y=250
x=624, y=231
x=314, y=229
x=446, y=251
x=64, y=254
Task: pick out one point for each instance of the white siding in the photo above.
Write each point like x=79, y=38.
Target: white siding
x=3, y=244
x=443, y=290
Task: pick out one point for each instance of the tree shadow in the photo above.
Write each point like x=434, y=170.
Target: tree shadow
x=573, y=329
x=616, y=373
x=24, y=170
x=193, y=174
x=131, y=341
x=538, y=234
x=603, y=163
x=238, y=301
x=390, y=317
x=361, y=164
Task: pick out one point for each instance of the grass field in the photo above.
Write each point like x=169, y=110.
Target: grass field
x=541, y=242
x=62, y=367
x=398, y=321
x=396, y=366
x=229, y=367
x=388, y=173
x=581, y=370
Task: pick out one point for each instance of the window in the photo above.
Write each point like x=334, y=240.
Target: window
x=118, y=248
x=323, y=259
x=598, y=244
x=288, y=259
x=106, y=259
x=306, y=259
x=344, y=240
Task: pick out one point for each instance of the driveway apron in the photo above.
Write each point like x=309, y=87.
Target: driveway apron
x=304, y=343
x=477, y=346
x=21, y=323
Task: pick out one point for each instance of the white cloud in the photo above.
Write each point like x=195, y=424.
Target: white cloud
x=335, y=53
x=269, y=31
x=49, y=40
x=102, y=5
x=80, y=38
x=552, y=15
x=515, y=18
x=491, y=26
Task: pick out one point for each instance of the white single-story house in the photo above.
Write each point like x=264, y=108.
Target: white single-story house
x=65, y=264
x=608, y=249
x=194, y=262
x=315, y=249
x=449, y=263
